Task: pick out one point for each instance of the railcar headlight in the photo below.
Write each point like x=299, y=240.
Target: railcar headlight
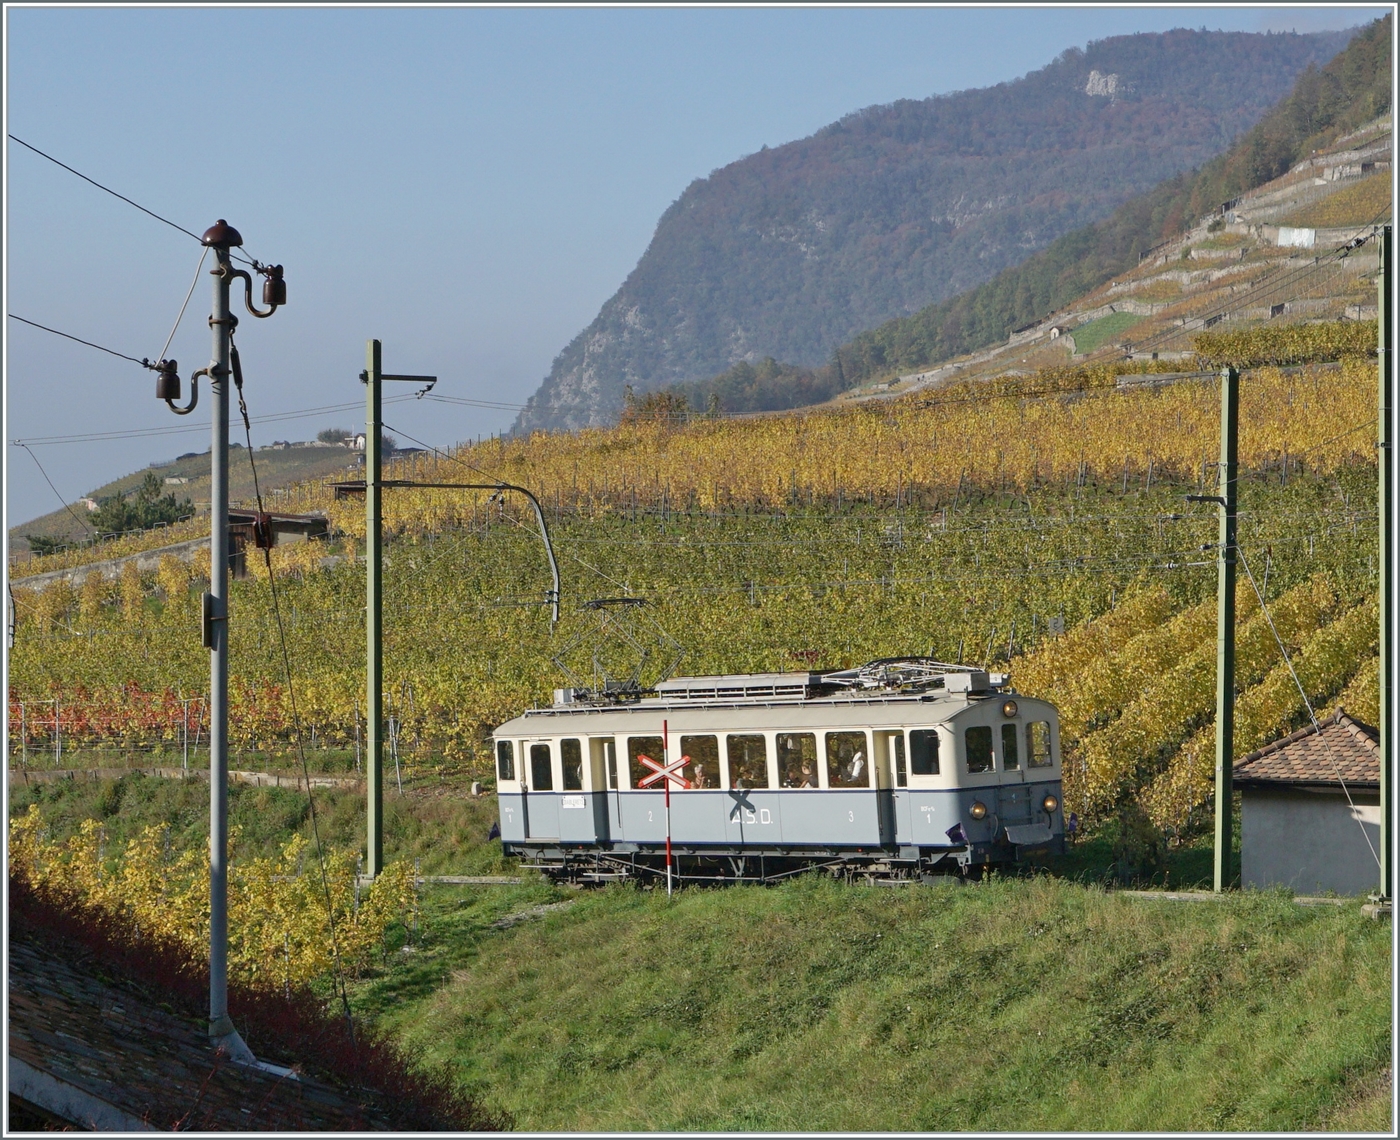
x=1051, y=803
x=1008, y=708
x=978, y=810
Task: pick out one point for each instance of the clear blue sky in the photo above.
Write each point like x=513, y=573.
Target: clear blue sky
x=468, y=185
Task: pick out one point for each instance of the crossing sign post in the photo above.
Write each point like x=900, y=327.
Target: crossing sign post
x=667, y=773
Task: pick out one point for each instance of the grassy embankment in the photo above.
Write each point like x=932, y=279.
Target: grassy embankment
x=1023, y=1004
x=1013, y=1004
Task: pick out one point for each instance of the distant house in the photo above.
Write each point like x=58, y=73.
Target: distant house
x=356, y=441
x=91, y=504
x=1311, y=810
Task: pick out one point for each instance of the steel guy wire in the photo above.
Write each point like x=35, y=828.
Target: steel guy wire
x=1307, y=704
x=188, y=295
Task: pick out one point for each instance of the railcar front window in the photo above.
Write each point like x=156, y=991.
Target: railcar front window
x=505, y=759
x=1010, y=757
x=901, y=778
x=571, y=753
x=541, y=775
x=1038, y=744
x=610, y=759
x=977, y=741
x=701, y=755
x=923, y=749
x=847, y=760
x=797, y=760
x=748, y=761
x=650, y=747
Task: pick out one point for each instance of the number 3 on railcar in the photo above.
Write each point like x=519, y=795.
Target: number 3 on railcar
x=899, y=769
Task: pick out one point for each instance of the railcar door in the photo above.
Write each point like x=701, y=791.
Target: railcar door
x=542, y=818
x=576, y=819
x=896, y=828
x=602, y=763
x=1014, y=807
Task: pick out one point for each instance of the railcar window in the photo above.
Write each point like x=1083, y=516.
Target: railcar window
x=797, y=760
x=1010, y=757
x=610, y=758
x=901, y=777
x=505, y=759
x=650, y=747
x=847, y=760
x=923, y=749
x=977, y=740
x=748, y=761
x=571, y=753
x=541, y=775
x=701, y=754
x=1038, y=744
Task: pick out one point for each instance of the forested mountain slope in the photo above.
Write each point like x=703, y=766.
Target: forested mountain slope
x=795, y=249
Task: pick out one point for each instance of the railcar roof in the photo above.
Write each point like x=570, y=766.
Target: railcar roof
x=828, y=710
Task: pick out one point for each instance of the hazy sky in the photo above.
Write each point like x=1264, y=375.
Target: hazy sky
x=469, y=185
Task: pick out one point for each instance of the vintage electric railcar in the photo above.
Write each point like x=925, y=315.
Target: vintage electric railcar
x=894, y=770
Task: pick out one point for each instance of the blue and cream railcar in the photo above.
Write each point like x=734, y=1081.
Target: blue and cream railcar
x=892, y=770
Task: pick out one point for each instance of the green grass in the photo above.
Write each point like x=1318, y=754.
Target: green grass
x=1012, y=1005
x=1095, y=334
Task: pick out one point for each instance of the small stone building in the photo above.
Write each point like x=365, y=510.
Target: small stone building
x=1311, y=810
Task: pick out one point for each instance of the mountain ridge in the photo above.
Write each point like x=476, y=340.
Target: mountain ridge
x=796, y=248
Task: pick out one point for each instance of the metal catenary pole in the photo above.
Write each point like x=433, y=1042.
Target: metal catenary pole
x=374, y=612
x=1386, y=458
x=1225, y=628
x=220, y=238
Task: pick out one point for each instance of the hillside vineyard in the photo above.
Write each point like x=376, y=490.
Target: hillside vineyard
x=827, y=539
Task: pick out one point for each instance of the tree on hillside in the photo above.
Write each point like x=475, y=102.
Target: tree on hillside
x=333, y=435
x=664, y=406
x=146, y=508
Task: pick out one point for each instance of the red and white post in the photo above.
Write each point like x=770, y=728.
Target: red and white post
x=666, y=761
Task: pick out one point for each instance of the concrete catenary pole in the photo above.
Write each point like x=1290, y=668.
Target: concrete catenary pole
x=1385, y=299
x=1225, y=627
x=374, y=611
x=220, y=238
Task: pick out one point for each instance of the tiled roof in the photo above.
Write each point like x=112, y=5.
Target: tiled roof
x=1339, y=749
x=105, y=1043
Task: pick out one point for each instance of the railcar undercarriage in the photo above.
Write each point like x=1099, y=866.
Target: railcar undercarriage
x=902, y=866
